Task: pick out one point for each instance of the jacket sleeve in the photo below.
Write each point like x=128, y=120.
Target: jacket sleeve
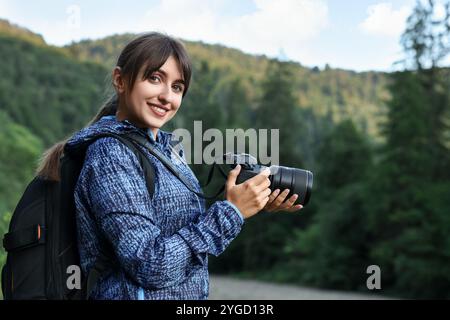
x=113, y=183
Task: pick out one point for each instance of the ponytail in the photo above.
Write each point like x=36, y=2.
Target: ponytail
x=49, y=166
x=109, y=108
x=49, y=163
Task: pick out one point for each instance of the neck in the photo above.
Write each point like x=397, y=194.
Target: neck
x=120, y=116
x=155, y=132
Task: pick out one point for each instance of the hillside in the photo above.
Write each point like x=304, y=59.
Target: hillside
x=19, y=32
x=338, y=94
x=45, y=90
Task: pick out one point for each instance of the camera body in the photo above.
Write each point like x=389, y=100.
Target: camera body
x=298, y=181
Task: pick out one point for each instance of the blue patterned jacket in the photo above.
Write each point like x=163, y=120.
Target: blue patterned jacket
x=161, y=244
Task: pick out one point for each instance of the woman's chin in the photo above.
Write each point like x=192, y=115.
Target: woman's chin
x=153, y=124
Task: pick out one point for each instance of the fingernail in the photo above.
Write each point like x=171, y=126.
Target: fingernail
x=277, y=191
x=287, y=191
x=295, y=196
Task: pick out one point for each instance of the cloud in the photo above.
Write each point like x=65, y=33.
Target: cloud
x=5, y=10
x=382, y=20
x=57, y=31
x=285, y=24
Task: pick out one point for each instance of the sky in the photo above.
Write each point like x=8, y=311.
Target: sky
x=359, y=35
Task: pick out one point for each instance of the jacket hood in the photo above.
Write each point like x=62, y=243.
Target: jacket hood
x=109, y=124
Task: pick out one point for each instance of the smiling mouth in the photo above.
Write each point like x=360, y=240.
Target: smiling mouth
x=159, y=111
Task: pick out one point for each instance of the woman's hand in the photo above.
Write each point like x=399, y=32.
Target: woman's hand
x=251, y=196
x=277, y=202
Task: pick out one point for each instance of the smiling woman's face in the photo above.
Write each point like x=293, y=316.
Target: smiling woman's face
x=153, y=101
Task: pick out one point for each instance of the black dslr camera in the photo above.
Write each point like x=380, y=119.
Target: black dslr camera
x=298, y=181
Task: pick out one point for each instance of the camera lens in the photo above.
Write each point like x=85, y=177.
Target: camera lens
x=298, y=181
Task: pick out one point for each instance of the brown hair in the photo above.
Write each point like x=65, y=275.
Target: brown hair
x=149, y=51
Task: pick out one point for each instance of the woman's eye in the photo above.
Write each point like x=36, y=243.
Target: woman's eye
x=178, y=88
x=154, y=78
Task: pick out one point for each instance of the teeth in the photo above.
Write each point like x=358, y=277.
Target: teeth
x=160, y=110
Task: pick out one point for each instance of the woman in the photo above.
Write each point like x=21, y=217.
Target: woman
x=160, y=243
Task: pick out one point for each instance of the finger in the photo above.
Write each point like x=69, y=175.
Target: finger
x=264, y=201
x=279, y=200
x=260, y=177
x=295, y=208
x=269, y=205
x=265, y=194
x=289, y=203
x=232, y=176
x=273, y=195
x=263, y=185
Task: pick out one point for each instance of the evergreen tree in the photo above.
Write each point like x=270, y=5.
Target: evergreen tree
x=279, y=109
x=407, y=219
x=426, y=43
x=332, y=251
x=264, y=237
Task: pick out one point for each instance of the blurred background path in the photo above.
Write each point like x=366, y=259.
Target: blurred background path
x=228, y=288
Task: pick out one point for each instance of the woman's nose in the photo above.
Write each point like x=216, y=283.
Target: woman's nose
x=166, y=95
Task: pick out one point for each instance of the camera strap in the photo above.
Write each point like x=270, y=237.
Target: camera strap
x=142, y=141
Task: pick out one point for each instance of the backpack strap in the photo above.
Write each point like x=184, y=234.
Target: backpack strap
x=146, y=166
x=102, y=263
x=139, y=139
x=25, y=237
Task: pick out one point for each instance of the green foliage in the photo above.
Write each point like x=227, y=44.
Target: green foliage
x=333, y=251
x=411, y=214
x=19, y=151
x=5, y=218
x=409, y=221
x=19, y=32
x=426, y=38
x=259, y=248
x=44, y=91
x=345, y=157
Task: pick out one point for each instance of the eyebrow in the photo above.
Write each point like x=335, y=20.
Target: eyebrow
x=165, y=75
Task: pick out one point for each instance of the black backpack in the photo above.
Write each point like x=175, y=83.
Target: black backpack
x=41, y=245
x=41, y=242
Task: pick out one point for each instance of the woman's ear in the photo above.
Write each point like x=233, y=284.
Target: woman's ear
x=118, y=80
